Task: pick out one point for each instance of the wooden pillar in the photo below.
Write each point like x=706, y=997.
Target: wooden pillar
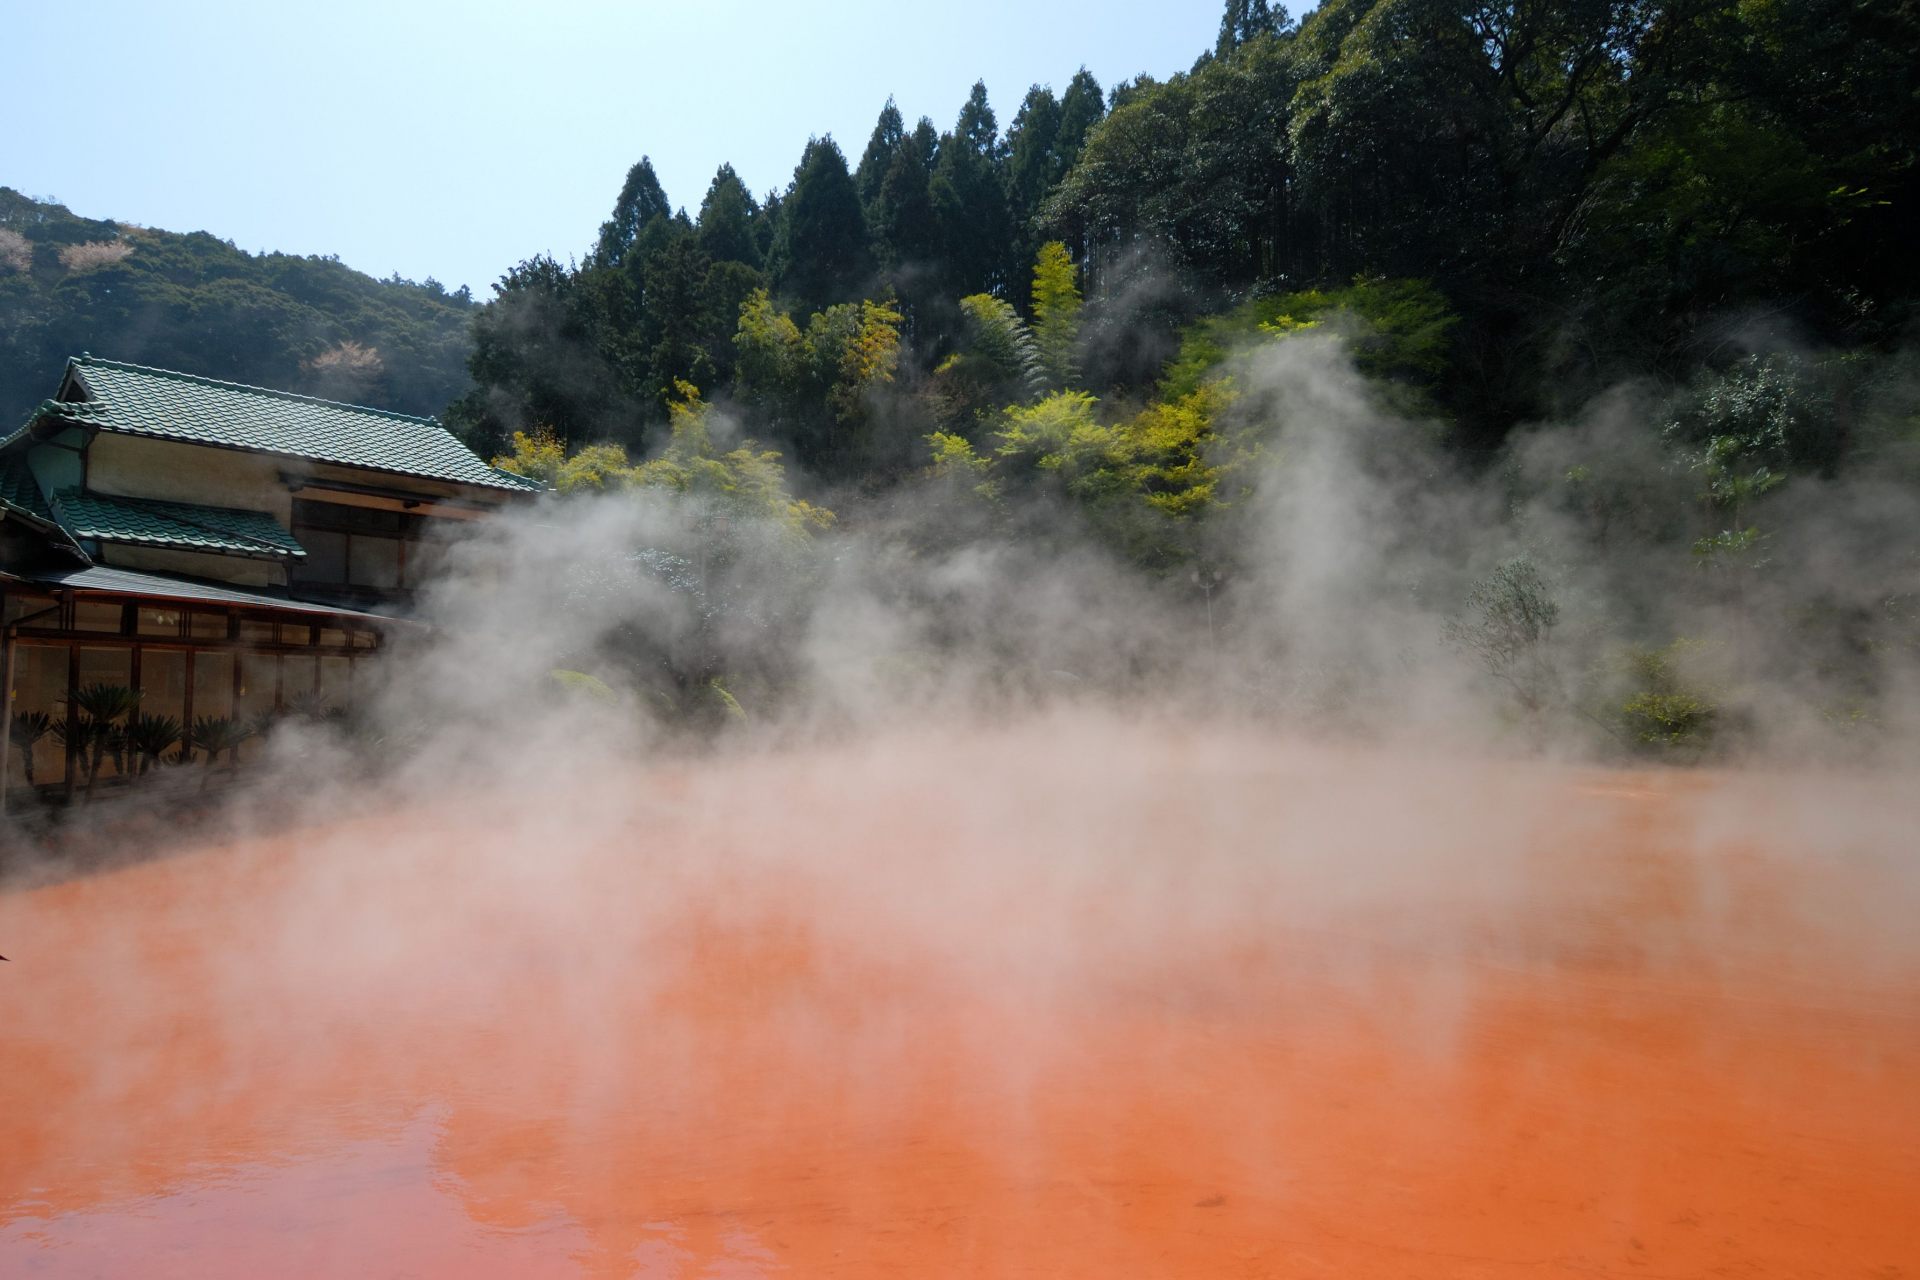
x=8, y=644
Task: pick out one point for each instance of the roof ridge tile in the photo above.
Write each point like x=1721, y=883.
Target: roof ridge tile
x=88, y=360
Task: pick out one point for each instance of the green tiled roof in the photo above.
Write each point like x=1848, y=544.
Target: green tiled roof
x=172, y=524
x=515, y=480
x=18, y=488
x=135, y=400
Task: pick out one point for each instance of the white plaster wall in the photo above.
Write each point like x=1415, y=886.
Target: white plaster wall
x=237, y=570
x=137, y=467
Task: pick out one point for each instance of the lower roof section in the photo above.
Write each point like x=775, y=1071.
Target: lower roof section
x=157, y=586
x=188, y=526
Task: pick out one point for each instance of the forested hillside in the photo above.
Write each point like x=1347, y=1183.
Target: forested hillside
x=194, y=302
x=1576, y=338
x=1597, y=190
x=1628, y=289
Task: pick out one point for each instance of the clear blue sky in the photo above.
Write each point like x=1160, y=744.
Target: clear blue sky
x=452, y=140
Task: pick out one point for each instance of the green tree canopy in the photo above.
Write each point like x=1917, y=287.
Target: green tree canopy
x=727, y=216
x=641, y=201
x=820, y=254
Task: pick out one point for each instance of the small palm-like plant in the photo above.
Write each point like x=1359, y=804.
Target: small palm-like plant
x=26, y=729
x=260, y=725
x=101, y=708
x=213, y=735
x=149, y=738
x=311, y=706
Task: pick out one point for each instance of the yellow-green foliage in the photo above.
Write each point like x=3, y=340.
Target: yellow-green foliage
x=842, y=353
x=1056, y=313
x=581, y=684
x=1671, y=705
x=862, y=346
x=540, y=456
x=1143, y=479
x=730, y=708
x=954, y=462
x=749, y=482
x=1398, y=330
x=537, y=455
x=768, y=344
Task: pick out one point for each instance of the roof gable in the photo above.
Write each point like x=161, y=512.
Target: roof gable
x=132, y=399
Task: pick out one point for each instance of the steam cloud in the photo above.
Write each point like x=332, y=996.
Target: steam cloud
x=1003, y=823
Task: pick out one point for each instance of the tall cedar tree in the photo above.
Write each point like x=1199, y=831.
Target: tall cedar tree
x=641, y=201
x=970, y=201
x=727, y=216
x=889, y=131
x=820, y=254
x=905, y=231
x=1032, y=169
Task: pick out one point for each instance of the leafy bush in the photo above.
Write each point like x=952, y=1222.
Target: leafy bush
x=1671, y=708
x=1510, y=617
x=1399, y=333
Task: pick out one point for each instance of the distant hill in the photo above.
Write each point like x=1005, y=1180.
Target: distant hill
x=196, y=303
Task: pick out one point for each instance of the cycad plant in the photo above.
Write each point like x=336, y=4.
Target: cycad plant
x=101, y=707
x=149, y=738
x=213, y=735
x=26, y=729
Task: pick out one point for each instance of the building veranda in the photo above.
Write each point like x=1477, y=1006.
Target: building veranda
x=183, y=560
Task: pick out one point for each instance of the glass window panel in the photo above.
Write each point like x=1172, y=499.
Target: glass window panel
x=212, y=685
x=256, y=631
x=163, y=682
x=365, y=640
x=374, y=562
x=326, y=559
x=96, y=615
x=300, y=633
x=40, y=688
x=106, y=666
x=259, y=684
x=336, y=682
x=113, y=668
x=208, y=626
x=333, y=637
x=296, y=680
x=25, y=606
x=159, y=622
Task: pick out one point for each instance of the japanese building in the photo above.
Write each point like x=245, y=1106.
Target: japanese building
x=181, y=559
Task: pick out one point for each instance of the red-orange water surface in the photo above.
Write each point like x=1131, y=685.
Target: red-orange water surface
x=1067, y=1001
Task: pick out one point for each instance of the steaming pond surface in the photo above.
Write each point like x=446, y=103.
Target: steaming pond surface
x=1217, y=1007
